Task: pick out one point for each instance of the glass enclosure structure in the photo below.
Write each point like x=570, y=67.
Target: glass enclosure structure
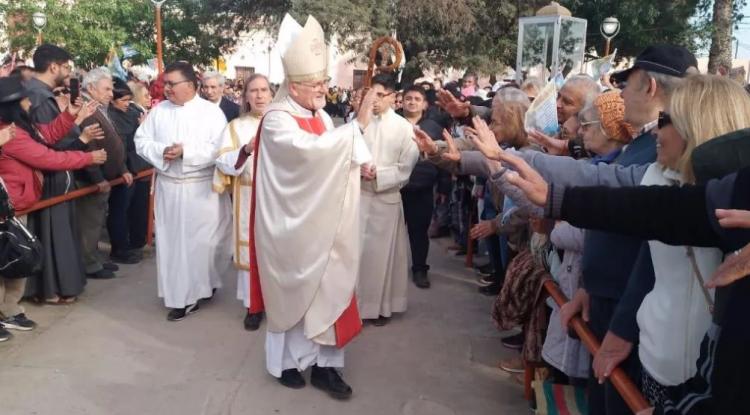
x=550, y=45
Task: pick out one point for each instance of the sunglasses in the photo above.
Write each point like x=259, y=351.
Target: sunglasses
x=664, y=120
x=60, y=92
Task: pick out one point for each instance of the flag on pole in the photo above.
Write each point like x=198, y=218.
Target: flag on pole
x=115, y=66
x=128, y=52
x=602, y=66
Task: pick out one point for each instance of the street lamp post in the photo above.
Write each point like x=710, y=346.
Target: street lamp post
x=39, y=20
x=159, y=57
x=610, y=28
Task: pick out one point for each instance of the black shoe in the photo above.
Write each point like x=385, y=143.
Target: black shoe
x=5, y=335
x=291, y=378
x=19, y=322
x=110, y=266
x=329, y=380
x=177, y=314
x=514, y=342
x=380, y=321
x=492, y=289
x=485, y=281
x=124, y=258
x=211, y=297
x=102, y=274
x=485, y=270
x=252, y=321
x=137, y=252
x=420, y=279
x=461, y=252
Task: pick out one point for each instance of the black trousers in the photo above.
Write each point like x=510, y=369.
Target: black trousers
x=127, y=220
x=604, y=399
x=138, y=213
x=117, y=219
x=418, y=205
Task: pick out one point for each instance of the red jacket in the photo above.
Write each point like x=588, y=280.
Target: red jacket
x=22, y=158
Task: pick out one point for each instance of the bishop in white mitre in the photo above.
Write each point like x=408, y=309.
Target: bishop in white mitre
x=384, y=265
x=239, y=137
x=180, y=138
x=305, y=236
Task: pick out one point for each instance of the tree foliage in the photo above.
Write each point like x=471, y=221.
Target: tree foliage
x=90, y=28
x=480, y=34
x=476, y=34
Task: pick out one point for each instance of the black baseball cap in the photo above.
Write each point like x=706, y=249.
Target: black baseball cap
x=665, y=59
x=11, y=89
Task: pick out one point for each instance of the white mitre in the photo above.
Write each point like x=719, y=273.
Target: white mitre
x=303, y=51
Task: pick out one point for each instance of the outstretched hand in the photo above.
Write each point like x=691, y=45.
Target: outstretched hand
x=425, y=142
x=452, y=153
x=484, y=139
x=82, y=111
x=735, y=266
x=453, y=105
x=526, y=178
x=553, y=145
x=733, y=218
x=6, y=134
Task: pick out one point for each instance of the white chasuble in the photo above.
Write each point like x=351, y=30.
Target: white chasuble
x=193, y=223
x=384, y=264
x=307, y=220
x=236, y=135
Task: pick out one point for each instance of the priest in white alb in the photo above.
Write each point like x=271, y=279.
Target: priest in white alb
x=384, y=265
x=305, y=223
x=180, y=138
x=238, y=137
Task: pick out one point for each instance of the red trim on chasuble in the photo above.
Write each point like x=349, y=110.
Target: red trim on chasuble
x=349, y=324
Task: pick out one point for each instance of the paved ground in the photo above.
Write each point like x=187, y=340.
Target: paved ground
x=114, y=353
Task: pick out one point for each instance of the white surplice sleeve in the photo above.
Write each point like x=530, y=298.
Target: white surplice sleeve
x=146, y=144
x=201, y=153
x=227, y=160
x=397, y=175
x=361, y=153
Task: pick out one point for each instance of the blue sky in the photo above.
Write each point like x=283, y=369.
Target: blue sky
x=743, y=35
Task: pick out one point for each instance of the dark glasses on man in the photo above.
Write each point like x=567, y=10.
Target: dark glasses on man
x=59, y=92
x=664, y=119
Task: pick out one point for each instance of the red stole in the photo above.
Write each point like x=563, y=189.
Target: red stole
x=349, y=324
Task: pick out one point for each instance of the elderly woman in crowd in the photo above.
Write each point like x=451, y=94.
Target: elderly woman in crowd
x=678, y=302
x=127, y=218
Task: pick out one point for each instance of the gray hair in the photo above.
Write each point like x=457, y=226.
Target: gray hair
x=511, y=94
x=532, y=82
x=95, y=75
x=667, y=83
x=586, y=84
x=214, y=75
x=245, y=107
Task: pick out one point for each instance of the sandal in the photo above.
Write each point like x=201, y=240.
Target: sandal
x=60, y=300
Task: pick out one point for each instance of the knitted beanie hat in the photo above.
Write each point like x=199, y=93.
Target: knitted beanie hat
x=611, y=109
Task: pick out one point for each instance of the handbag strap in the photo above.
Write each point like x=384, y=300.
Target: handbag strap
x=699, y=276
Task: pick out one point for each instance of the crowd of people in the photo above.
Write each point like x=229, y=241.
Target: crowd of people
x=637, y=208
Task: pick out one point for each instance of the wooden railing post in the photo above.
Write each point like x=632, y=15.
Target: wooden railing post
x=625, y=387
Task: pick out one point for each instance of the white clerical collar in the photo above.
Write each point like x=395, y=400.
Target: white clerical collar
x=299, y=108
x=192, y=101
x=384, y=114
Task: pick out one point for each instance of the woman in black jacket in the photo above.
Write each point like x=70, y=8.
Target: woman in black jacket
x=127, y=220
x=688, y=215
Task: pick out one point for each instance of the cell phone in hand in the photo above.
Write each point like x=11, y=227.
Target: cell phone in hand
x=75, y=90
